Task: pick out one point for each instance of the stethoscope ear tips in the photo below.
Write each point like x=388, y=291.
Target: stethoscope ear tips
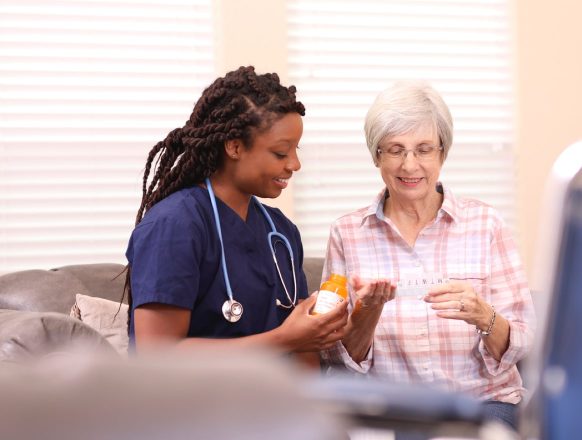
x=278, y=303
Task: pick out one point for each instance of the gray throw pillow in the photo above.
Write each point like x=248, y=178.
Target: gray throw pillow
x=26, y=336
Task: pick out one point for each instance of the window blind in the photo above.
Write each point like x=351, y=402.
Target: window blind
x=342, y=53
x=87, y=87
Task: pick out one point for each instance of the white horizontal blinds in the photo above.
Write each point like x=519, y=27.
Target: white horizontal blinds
x=344, y=52
x=86, y=89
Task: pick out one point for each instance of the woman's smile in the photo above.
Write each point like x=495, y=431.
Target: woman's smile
x=410, y=182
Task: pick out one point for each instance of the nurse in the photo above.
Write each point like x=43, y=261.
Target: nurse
x=208, y=263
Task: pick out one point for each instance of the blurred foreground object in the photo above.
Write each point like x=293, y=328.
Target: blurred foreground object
x=555, y=368
x=218, y=395
x=212, y=396
x=372, y=404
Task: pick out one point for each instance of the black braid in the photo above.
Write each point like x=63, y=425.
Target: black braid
x=232, y=107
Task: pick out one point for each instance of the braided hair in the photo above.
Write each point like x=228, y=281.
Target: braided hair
x=235, y=106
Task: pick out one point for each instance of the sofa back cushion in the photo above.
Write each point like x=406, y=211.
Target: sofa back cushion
x=313, y=267
x=54, y=290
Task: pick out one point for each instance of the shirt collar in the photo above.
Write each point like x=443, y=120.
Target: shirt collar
x=450, y=206
x=376, y=209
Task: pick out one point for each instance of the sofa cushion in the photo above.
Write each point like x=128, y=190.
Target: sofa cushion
x=27, y=336
x=109, y=318
x=54, y=290
x=313, y=267
x=105, y=280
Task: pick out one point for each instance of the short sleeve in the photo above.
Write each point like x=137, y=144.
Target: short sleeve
x=164, y=257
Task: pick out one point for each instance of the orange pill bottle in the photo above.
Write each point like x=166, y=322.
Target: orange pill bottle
x=331, y=293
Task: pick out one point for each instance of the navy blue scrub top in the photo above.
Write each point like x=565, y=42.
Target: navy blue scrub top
x=174, y=257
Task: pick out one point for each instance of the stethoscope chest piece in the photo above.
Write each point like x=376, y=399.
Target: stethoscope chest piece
x=232, y=310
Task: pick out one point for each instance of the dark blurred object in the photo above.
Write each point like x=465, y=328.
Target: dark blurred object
x=562, y=364
x=376, y=403
x=556, y=364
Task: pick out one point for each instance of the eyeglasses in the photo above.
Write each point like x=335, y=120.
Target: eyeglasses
x=423, y=153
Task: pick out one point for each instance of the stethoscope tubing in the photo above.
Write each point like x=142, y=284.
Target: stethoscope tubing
x=270, y=235
x=219, y=231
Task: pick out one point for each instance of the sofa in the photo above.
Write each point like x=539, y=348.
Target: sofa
x=207, y=394
x=73, y=307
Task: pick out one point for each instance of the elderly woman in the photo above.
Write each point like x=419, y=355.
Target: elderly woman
x=459, y=314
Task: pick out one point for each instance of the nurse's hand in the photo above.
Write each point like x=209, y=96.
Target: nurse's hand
x=304, y=332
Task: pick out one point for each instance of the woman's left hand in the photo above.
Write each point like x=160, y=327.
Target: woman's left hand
x=458, y=300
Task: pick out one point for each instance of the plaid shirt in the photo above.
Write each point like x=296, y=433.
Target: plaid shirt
x=467, y=241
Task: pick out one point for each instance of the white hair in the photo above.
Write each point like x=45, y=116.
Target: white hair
x=404, y=107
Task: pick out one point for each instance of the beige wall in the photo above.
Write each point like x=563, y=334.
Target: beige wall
x=253, y=32
x=548, y=77
x=549, y=96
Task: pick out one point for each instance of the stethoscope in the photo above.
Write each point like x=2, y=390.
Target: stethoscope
x=232, y=309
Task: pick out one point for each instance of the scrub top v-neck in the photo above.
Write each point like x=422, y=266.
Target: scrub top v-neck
x=174, y=257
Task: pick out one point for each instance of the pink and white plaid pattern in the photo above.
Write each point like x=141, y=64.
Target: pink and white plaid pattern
x=467, y=241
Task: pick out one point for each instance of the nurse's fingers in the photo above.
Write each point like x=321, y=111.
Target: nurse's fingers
x=333, y=338
x=339, y=312
x=335, y=320
x=306, y=304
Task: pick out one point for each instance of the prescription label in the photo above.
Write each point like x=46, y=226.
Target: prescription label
x=326, y=301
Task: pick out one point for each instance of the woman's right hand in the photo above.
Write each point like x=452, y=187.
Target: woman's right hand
x=372, y=294
x=304, y=332
x=370, y=299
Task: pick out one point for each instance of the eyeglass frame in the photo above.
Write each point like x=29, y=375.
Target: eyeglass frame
x=403, y=153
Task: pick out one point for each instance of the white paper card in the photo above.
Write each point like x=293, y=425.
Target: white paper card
x=418, y=286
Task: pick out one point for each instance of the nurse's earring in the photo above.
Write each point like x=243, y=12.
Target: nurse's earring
x=232, y=147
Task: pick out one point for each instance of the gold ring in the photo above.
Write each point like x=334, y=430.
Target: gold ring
x=462, y=306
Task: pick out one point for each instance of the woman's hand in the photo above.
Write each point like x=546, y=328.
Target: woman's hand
x=304, y=332
x=372, y=294
x=370, y=299
x=458, y=300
